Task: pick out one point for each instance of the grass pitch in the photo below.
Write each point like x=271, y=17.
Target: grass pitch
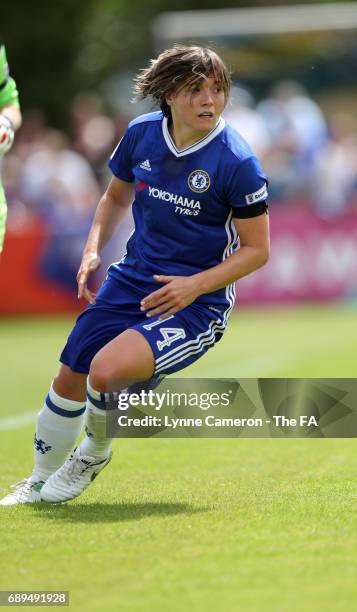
x=247, y=525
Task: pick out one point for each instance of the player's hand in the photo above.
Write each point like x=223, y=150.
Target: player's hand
x=6, y=134
x=90, y=263
x=177, y=293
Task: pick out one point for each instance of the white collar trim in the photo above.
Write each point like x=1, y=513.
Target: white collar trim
x=196, y=145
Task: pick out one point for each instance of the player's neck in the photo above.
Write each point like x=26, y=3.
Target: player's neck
x=183, y=136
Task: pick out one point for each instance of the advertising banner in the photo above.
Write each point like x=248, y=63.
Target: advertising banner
x=312, y=259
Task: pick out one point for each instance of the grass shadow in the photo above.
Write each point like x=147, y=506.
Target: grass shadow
x=110, y=513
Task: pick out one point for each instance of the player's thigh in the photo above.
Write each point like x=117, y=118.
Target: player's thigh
x=116, y=309
x=179, y=340
x=128, y=357
x=70, y=385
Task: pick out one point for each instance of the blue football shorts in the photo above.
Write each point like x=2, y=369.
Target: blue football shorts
x=176, y=342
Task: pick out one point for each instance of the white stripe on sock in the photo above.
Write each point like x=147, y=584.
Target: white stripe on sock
x=64, y=403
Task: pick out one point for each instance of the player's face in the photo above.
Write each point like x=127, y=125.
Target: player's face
x=197, y=107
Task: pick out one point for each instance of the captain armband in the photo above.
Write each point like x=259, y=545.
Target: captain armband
x=253, y=210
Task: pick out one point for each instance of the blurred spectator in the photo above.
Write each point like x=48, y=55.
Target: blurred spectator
x=60, y=179
x=59, y=184
x=241, y=115
x=297, y=130
x=94, y=133
x=294, y=121
x=335, y=176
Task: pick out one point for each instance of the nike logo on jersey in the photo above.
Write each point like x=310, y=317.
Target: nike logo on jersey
x=145, y=165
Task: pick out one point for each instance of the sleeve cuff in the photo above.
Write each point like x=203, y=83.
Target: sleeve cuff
x=121, y=175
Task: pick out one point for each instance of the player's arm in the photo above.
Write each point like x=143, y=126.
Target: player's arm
x=180, y=291
x=110, y=212
x=253, y=253
x=10, y=114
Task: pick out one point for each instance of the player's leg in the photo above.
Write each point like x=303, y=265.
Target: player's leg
x=66, y=402
x=61, y=419
x=59, y=424
x=125, y=360
x=69, y=384
x=128, y=358
x=150, y=348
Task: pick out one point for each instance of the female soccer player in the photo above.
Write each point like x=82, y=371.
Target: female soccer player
x=10, y=121
x=196, y=187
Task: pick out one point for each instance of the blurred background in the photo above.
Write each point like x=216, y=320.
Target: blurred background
x=294, y=99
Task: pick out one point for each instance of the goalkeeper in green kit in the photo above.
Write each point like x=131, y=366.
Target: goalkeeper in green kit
x=10, y=121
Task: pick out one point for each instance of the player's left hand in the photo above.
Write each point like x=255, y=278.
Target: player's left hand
x=177, y=293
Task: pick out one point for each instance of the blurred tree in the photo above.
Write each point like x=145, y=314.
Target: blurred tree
x=42, y=42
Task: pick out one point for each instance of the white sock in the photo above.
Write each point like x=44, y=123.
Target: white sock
x=59, y=425
x=96, y=444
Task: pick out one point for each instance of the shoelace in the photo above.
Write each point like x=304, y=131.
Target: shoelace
x=73, y=469
x=24, y=484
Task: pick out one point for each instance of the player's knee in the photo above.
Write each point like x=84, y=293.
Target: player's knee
x=97, y=377
x=101, y=373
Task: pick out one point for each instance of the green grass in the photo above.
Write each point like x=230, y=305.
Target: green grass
x=239, y=524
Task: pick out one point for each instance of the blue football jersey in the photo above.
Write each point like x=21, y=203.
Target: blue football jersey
x=185, y=201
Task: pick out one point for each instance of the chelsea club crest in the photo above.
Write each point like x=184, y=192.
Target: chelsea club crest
x=199, y=181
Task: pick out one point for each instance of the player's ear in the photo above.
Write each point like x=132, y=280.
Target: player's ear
x=169, y=97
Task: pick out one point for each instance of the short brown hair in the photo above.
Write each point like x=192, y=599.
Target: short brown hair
x=178, y=67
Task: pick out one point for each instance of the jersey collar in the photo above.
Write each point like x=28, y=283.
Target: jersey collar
x=196, y=145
